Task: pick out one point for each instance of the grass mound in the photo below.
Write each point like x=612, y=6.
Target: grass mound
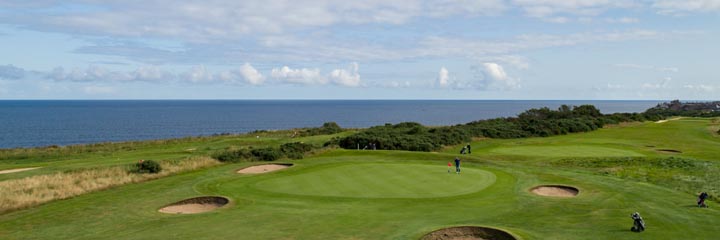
x=382, y=180
x=468, y=233
x=263, y=168
x=555, y=191
x=195, y=205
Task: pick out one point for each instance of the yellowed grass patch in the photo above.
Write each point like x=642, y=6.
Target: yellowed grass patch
x=35, y=190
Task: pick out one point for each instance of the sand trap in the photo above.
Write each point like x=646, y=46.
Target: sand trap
x=555, y=191
x=17, y=170
x=195, y=205
x=264, y=168
x=468, y=233
x=669, y=150
x=666, y=120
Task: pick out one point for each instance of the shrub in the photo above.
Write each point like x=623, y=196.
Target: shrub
x=148, y=166
x=326, y=129
x=233, y=155
x=295, y=150
x=266, y=154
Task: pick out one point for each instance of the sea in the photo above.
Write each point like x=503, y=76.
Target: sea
x=32, y=123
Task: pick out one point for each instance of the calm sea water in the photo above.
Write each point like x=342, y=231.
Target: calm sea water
x=41, y=123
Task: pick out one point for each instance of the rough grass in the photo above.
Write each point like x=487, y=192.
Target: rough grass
x=687, y=175
x=35, y=190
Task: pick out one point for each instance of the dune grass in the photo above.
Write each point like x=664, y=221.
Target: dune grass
x=35, y=190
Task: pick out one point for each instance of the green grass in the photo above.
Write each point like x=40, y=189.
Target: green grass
x=566, y=151
x=382, y=181
x=349, y=194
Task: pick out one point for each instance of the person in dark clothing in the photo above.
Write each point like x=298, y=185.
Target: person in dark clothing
x=701, y=199
x=468, y=148
x=457, y=165
x=638, y=223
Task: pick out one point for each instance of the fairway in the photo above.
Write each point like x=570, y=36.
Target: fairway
x=566, y=151
x=382, y=181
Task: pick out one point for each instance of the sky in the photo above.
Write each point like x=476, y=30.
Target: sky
x=371, y=49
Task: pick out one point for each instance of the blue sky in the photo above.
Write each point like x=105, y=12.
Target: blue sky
x=373, y=49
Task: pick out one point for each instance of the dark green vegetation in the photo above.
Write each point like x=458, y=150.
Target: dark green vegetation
x=541, y=122
x=655, y=168
x=147, y=166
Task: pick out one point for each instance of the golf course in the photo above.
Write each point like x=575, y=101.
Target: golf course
x=573, y=186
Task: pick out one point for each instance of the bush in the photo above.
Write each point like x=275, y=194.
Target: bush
x=326, y=129
x=266, y=154
x=233, y=155
x=148, y=166
x=295, y=150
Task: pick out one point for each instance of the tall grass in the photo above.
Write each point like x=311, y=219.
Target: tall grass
x=684, y=174
x=26, y=192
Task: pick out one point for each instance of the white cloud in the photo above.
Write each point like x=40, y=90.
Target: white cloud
x=198, y=74
x=246, y=73
x=625, y=20
x=549, y=9
x=663, y=84
x=98, y=90
x=251, y=75
x=701, y=87
x=680, y=7
x=647, y=67
x=495, y=77
x=346, y=77
x=443, y=78
x=218, y=19
x=100, y=74
x=10, y=72
x=304, y=76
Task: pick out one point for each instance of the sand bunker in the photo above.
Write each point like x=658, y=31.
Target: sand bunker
x=468, y=233
x=669, y=150
x=555, y=191
x=195, y=205
x=17, y=170
x=264, y=168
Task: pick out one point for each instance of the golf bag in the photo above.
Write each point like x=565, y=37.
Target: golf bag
x=638, y=223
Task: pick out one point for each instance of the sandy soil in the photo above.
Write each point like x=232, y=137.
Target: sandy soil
x=468, y=233
x=555, y=191
x=666, y=120
x=17, y=170
x=195, y=205
x=263, y=168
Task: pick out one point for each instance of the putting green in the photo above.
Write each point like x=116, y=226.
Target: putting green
x=566, y=151
x=382, y=181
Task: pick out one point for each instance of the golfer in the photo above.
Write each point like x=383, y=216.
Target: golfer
x=701, y=199
x=468, y=148
x=457, y=165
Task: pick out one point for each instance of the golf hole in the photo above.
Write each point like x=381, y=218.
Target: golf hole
x=263, y=168
x=195, y=205
x=468, y=233
x=555, y=191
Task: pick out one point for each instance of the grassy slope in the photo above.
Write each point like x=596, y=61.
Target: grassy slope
x=601, y=211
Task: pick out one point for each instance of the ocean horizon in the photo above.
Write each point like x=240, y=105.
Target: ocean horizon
x=33, y=123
